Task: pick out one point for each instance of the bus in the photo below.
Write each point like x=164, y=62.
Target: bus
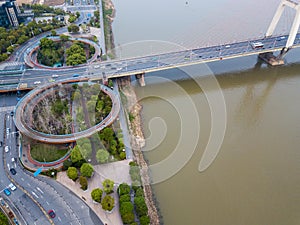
x=256, y=45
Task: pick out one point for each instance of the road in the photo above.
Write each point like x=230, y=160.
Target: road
x=47, y=192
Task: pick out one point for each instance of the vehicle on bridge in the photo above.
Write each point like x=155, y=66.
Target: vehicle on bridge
x=256, y=45
x=12, y=187
x=51, y=213
x=76, y=75
x=7, y=192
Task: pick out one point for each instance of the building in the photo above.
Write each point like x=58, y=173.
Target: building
x=11, y=15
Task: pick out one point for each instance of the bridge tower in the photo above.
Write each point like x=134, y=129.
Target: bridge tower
x=294, y=28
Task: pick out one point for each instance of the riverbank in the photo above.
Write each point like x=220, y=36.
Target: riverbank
x=133, y=108
x=108, y=17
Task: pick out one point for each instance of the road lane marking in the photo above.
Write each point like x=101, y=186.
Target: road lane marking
x=59, y=219
x=35, y=194
x=39, y=190
x=22, y=178
x=47, y=203
x=28, y=184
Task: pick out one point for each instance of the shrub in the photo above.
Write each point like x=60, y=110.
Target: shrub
x=108, y=186
x=140, y=206
x=108, y=203
x=124, y=198
x=96, y=194
x=139, y=192
x=126, y=211
x=83, y=182
x=86, y=170
x=123, y=189
x=144, y=220
x=72, y=173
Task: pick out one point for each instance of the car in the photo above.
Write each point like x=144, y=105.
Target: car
x=227, y=46
x=76, y=75
x=7, y=192
x=13, y=171
x=51, y=213
x=13, y=160
x=55, y=75
x=12, y=187
x=16, y=221
x=7, y=131
x=12, y=113
x=1, y=143
x=6, y=149
x=96, y=66
x=257, y=45
x=37, y=82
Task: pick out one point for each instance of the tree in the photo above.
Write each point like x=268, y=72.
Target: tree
x=144, y=220
x=140, y=206
x=126, y=211
x=77, y=14
x=124, y=198
x=86, y=170
x=64, y=38
x=122, y=155
x=108, y=186
x=108, y=203
x=3, y=219
x=73, y=28
x=123, y=189
x=102, y=156
x=83, y=182
x=72, y=173
x=96, y=194
x=139, y=192
x=53, y=32
x=66, y=164
x=76, y=155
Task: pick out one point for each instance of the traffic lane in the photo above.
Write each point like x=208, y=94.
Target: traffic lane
x=17, y=196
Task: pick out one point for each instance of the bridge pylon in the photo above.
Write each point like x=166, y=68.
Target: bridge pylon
x=294, y=28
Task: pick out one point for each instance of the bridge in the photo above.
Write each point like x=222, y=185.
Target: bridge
x=141, y=65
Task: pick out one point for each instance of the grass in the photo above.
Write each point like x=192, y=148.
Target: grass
x=47, y=153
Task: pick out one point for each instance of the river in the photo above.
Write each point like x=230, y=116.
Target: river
x=255, y=177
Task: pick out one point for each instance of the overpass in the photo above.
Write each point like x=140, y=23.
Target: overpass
x=151, y=63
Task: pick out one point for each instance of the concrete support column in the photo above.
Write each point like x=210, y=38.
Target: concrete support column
x=141, y=79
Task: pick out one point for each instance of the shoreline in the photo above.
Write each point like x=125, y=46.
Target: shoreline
x=108, y=18
x=137, y=140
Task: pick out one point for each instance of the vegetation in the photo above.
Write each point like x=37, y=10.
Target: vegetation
x=47, y=153
x=83, y=182
x=72, y=173
x=107, y=15
x=95, y=20
x=108, y=203
x=123, y=189
x=76, y=154
x=140, y=206
x=126, y=211
x=39, y=10
x=96, y=195
x=144, y=220
x=86, y=170
x=108, y=186
x=75, y=55
x=134, y=172
x=102, y=156
x=3, y=219
x=50, y=52
x=73, y=28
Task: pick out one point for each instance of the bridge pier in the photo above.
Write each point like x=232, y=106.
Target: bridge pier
x=271, y=59
x=141, y=79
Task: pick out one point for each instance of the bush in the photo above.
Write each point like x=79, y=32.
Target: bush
x=72, y=173
x=83, y=182
x=139, y=192
x=124, y=198
x=66, y=164
x=108, y=186
x=140, y=206
x=123, y=189
x=126, y=211
x=86, y=170
x=108, y=203
x=96, y=194
x=144, y=220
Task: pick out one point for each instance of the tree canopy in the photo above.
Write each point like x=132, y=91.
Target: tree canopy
x=72, y=173
x=86, y=170
x=96, y=194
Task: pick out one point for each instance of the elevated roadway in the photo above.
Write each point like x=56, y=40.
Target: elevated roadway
x=24, y=128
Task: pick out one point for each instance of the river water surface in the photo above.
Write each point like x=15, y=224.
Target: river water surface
x=255, y=178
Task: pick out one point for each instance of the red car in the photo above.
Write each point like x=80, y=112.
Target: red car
x=51, y=213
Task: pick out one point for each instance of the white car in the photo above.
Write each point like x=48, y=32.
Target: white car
x=37, y=82
x=97, y=66
x=12, y=187
x=6, y=149
x=12, y=160
x=7, y=131
x=55, y=75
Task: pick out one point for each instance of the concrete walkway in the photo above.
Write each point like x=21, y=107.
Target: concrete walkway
x=117, y=171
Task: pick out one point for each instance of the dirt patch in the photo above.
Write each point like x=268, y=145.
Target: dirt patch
x=53, y=2
x=132, y=106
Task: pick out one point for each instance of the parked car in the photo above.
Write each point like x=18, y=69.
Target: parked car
x=13, y=171
x=51, y=213
x=7, y=192
x=6, y=149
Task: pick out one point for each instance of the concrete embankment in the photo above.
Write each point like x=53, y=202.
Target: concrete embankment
x=133, y=108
